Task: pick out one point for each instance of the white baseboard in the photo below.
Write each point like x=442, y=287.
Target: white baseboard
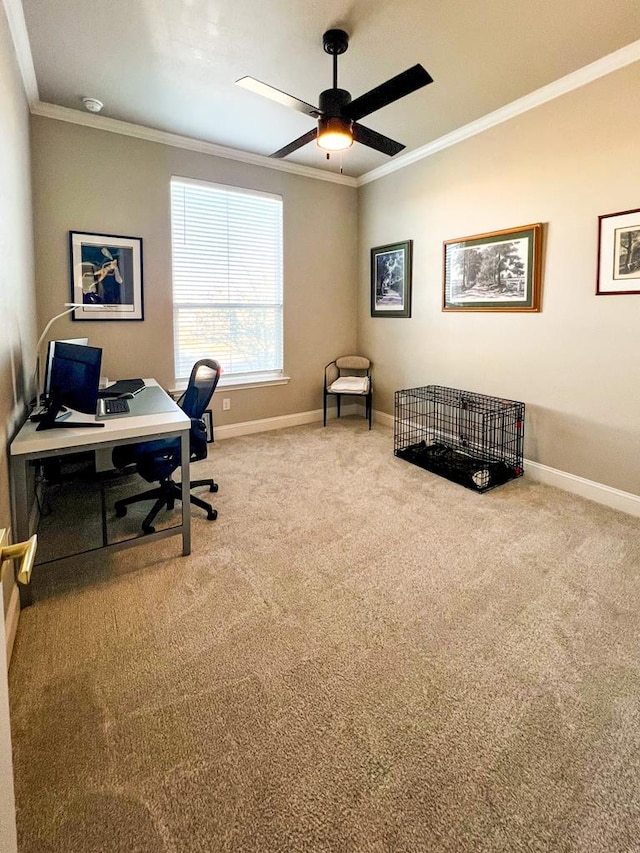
x=264, y=424
x=383, y=418
x=598, y=492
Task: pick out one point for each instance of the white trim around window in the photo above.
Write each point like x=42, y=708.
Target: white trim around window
x=227, y=258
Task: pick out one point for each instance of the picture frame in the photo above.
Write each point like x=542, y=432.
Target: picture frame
x=496, y=271
x=618, y=253
x=106, y=276
x=207, y=417
x=391, y=271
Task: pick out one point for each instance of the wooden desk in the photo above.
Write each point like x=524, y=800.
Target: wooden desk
x=166, y=420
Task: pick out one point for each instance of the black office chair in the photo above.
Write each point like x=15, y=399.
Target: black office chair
x=156, y=461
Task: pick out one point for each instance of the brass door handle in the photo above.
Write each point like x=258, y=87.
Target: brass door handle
x=26, y=552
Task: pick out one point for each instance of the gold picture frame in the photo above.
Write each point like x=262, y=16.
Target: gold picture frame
x=496, y=271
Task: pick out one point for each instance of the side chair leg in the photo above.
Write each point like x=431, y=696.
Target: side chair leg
x=324, y=407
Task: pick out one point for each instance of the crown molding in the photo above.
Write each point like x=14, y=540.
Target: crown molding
x=125, y=128
x=600, y=68
x=18, y=29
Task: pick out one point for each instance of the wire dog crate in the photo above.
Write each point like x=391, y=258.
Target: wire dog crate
x=471, y=439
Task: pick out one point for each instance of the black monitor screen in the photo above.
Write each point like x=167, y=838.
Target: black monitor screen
x=75, y=377
x=51, y=350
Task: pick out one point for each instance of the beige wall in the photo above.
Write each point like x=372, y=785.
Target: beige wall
x=91, y=180
x=577, y=363
x=17, y=340
x=17, y=298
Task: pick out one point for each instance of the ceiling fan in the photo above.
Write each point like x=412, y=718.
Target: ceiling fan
x=338, y=116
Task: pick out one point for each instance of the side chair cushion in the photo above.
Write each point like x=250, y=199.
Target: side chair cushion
x=350, y=385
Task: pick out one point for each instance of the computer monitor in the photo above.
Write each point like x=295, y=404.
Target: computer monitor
x=51, y=348
x=75, y=377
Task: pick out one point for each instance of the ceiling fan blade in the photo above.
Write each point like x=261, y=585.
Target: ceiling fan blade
x=297, y=143
x=376, y=140
x=386, y=93
x=267, y=91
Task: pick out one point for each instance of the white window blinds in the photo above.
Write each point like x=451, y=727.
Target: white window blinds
x=227, y=278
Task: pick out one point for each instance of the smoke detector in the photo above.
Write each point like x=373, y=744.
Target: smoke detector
x=92, y=104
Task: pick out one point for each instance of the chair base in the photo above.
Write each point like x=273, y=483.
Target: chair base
x=166, y=494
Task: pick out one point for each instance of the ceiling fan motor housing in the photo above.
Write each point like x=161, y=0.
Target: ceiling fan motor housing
x=332, y=102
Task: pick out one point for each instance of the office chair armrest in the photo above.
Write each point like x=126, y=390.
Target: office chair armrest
x=198, y=439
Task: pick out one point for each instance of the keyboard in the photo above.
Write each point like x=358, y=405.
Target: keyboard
x=113, y=407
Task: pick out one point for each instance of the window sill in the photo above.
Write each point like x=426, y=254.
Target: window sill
x=237, y=383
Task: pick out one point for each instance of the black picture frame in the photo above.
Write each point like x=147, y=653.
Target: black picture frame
x=619, y=254
x=391, y=272
x=106, y=276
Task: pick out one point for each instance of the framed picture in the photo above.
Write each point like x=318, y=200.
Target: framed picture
x=498, y=271
x=619, y=253
x=391, y=280
x=207, y=417
x=106, y=276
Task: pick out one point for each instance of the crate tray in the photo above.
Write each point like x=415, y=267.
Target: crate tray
x=474, y=473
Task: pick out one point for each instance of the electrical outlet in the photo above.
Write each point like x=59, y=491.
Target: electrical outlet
x=226, y=404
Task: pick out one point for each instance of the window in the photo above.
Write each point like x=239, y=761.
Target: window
x=227, y=279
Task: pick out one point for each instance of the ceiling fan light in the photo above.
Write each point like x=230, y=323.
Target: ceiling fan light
x=334, y=134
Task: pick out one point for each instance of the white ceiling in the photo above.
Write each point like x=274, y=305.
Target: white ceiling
x=171, y=65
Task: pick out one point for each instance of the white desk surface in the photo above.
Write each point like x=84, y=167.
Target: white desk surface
x=29, y=440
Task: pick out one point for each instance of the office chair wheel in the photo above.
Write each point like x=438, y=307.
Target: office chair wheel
x=148, y=528
x=213, y=487
x=212, y=515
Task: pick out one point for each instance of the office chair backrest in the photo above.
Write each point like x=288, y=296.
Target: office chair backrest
x=205, y=375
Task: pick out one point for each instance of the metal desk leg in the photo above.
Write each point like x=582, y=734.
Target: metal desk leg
x=186, y=493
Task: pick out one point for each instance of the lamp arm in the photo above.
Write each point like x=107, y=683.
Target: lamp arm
x=70, y=306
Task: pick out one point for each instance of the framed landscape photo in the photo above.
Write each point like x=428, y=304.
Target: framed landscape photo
x=391, y=280
x=619, y=253
x=498, y=271
x=106, y=276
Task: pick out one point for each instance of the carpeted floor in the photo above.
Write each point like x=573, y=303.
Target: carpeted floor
x=357, y=656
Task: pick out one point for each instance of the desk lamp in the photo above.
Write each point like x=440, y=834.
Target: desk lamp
x=69, y=307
